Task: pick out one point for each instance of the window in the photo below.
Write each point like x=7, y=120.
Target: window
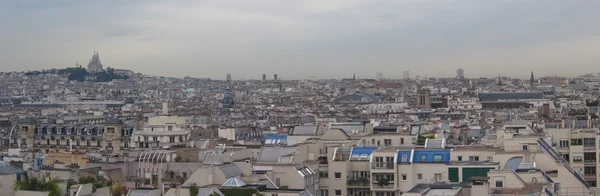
x=577, y=158
x=154, y=138
x=378, y=142
x=323, y=192
x=170, y=128
x=404, y=158
x=378, y=159
x=387, y=142
x=423, y=158
x=473, y=158
x=563, y=143
x=323, y=175
x=338, y=192
x=565, y=156
x=419, y=176
x=589, y=170
x=389, y=159
x=459, y=158
x=499, y=183
x=401, y=140
x=437, y=177
x=437, y=158
x=591, y=142
x=524, y=147
x=576, y=142
x=337, y=175
x=403, y=177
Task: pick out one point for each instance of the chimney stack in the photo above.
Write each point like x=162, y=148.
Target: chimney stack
x=165, y=108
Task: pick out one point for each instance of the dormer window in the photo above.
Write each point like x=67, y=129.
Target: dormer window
x=78, y=131
x=68, y=131
x=89, y=132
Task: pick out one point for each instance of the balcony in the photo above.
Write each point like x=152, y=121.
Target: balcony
x=382, y=166
x=382, y=184
x=358, y=182
x=589, y=147
x=589, y=162
x=589, y=176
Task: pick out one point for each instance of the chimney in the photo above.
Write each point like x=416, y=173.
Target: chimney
x=589, y=121
x=165, y=108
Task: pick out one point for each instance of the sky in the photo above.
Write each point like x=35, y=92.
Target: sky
x=305, y=39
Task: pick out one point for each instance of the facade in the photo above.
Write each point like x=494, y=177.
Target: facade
x=110, y=137
x=162, y=131
x=94, y=66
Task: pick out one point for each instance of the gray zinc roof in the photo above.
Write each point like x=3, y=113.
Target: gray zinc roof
x=305, y=130
x=272, y=154
x=7, y=169
x=230, y=170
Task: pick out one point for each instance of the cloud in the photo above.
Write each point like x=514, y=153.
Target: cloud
x=300, y=39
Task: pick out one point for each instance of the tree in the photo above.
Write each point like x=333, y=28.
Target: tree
x=36, y=184
x=193, y=190
x=383, y=182
x=117, y=190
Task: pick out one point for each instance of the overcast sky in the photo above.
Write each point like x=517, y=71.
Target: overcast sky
x=307, y=38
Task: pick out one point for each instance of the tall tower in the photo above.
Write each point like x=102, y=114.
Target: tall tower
x=406, y=75
x=499, y=80
x=274, y=76
x=354, y=76
x=264, y=77
x=460, y=73
x=228, y=77
x=531, y=80
x=424, y=98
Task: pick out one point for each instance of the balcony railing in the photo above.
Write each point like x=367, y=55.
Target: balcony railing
x=389, y=185
x=589, y=147
x=382, y=165
x=358, y=182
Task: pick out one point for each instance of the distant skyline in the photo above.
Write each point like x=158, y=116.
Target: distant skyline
x=304, y=39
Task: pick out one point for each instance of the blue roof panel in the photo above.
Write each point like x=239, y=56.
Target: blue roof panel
x=406, y=153
x=363, y=150
x=431, y=156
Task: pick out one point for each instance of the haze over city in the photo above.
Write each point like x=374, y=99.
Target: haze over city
x=304, y=39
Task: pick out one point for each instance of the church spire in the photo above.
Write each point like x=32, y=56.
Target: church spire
x=532, y=80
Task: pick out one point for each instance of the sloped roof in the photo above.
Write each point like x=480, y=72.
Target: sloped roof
x=7, y=168
x=272, y=154
x=429, y=156
x=234, y=182
x=305, y=130
x=230, y=170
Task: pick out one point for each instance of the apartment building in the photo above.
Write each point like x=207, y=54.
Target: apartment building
x=579, y=148
x=162, y=131
x=110, y=137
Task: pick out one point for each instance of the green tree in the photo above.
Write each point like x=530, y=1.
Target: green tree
x=193, y=190
x=35, y=184
x=117, y=190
